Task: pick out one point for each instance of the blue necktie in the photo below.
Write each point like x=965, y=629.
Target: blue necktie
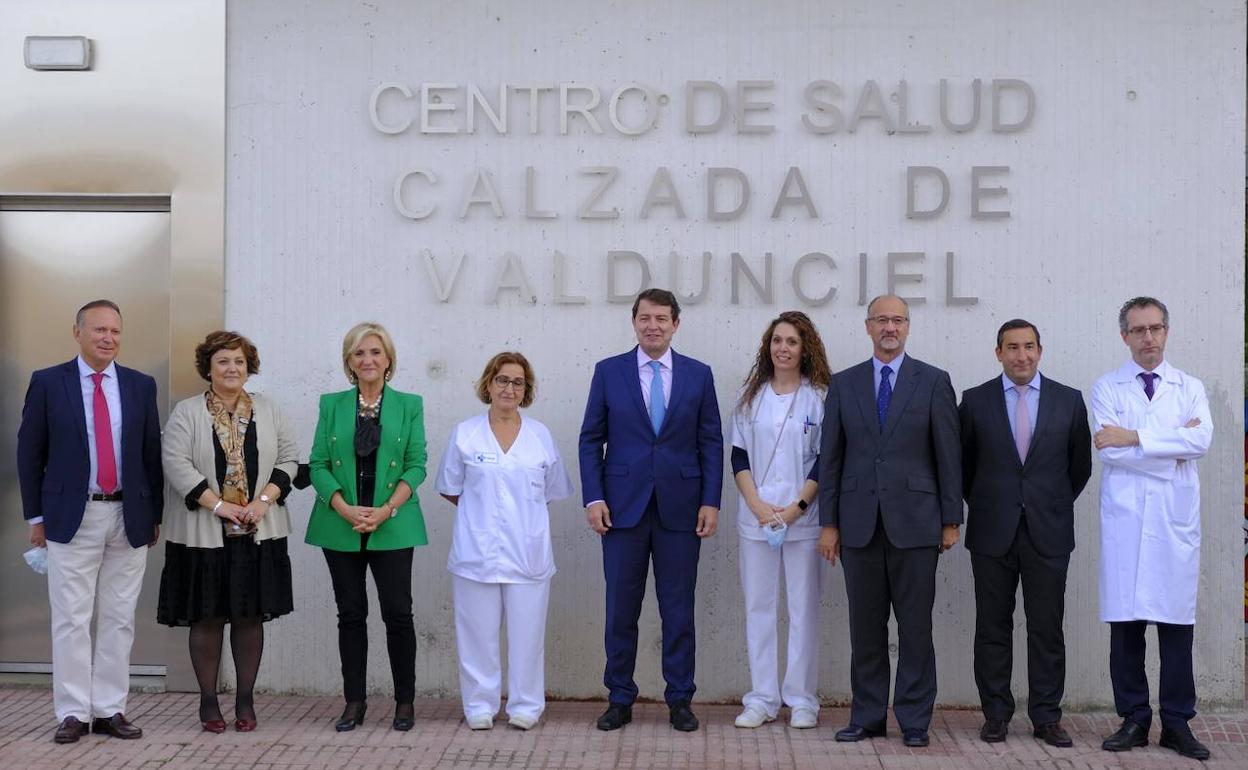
x=657, y=408
x=1148, y=383
x=885, y=395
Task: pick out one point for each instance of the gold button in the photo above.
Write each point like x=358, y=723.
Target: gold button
x=333, y=438
x=337, y=462
x=392, y=463
x=390, y=485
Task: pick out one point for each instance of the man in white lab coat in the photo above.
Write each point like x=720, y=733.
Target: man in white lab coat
x=1152, y=424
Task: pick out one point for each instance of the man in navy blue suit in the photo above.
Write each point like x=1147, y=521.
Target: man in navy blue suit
x=88, y=463
x=653, y=495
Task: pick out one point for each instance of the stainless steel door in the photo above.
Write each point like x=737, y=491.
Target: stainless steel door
x=51, y=263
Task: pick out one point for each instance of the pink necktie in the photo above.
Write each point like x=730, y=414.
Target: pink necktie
x=1022, y=423
x=106, y=461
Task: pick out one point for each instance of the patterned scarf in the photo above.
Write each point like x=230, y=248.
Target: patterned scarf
x=231, y=433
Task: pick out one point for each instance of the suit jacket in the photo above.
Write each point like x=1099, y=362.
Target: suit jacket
x=189, y=460
x=909, y=473
x=54, y=462
x=400, y=457
x=683, y=466
x=999, y=487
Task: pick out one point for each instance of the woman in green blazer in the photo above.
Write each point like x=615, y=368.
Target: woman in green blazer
x=368, y=458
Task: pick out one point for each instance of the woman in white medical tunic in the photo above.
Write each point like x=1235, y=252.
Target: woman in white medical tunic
x=775, y=446
x=500, y=470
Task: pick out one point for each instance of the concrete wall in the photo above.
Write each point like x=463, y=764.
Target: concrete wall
x=1128, y=180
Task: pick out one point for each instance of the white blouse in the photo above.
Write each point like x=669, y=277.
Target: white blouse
x=502, y=523
x=768, y=423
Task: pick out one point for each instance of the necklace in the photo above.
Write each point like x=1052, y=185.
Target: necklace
x=369, y=410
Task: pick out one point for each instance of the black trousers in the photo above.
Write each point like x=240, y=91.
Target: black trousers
x=880, y=576
x=1177, y=694
x=392, y=575
x=1044, y=604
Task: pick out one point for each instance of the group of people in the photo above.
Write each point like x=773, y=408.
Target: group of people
x=869, y=466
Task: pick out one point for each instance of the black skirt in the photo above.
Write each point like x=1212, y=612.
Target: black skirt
x=242, y=579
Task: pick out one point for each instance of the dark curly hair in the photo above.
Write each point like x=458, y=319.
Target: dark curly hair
x=223, y=340
x=814, y=364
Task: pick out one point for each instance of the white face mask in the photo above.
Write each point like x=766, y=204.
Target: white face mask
x=37, y=558
x=777, y=530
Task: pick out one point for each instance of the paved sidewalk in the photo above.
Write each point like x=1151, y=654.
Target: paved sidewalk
x=297, y=732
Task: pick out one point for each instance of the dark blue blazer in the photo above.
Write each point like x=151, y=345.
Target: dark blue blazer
x=683, y=466
x=54, y=463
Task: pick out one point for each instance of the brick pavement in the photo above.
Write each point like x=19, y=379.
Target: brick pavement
x=296, y=733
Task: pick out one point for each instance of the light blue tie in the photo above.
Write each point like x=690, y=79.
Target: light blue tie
x=657, y=408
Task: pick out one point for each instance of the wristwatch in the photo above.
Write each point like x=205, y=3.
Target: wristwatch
x=802, y=504
x=266, y=499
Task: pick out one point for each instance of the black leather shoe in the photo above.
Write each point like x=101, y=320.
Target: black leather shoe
x=1181, y=740
x=994, y=730
x=1053, y=734
x=855, y=733
x=404, y=717
x=352, y=716
x=1129, y=736
x=914, y=737
x=616, y=716
x=116, y=726
x=681, y=716
x=70, y=730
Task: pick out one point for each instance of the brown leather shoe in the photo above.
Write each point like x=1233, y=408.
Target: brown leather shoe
x=70, y=731
x=116, y=726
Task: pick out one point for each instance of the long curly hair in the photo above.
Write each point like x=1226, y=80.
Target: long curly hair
x=814, y=364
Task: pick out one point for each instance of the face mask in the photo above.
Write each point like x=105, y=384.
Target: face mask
x=37, y=559
x=777, y=530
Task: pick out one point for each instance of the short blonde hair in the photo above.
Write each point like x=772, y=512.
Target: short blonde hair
x=495, y=364
x=353, y=339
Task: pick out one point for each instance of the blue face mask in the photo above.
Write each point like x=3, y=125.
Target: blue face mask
x=37, y=558
x=776, y=531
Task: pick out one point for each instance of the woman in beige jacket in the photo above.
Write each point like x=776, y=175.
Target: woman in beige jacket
x=228, y=458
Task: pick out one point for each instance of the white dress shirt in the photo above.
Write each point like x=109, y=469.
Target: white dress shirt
x=112, y=394
x=646, y=373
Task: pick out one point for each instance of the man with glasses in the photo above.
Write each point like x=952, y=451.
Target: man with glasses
x=890, y=501
x=1152, y=424
x=652, y=464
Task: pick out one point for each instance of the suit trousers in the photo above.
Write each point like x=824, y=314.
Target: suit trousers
x=480, y=608
x=1044, y=601
x=1177, y=693
x=626, y=558
x=880, y=576
x=392, y=575
x=761, y=566
x=97, y=572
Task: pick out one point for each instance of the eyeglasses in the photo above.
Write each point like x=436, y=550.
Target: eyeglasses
x=1143, y=331
x=885, y=320
x=503, y=383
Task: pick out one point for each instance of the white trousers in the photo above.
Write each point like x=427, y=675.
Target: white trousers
x=480, y=609
x=99, y=573
x=760, y=582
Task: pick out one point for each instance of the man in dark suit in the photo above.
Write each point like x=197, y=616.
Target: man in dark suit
x=890, y=501
x=1026, y=456
x=88, y=463
x=653, y=494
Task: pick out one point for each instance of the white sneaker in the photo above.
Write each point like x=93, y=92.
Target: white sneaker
x=753, y=716
x=803, y=718
x=480, y=722
x=522, y=722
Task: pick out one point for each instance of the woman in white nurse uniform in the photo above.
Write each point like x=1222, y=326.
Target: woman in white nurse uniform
x=500, y=470
x=775, y=446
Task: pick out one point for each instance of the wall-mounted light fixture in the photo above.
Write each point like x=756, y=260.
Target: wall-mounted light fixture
x=58, y=52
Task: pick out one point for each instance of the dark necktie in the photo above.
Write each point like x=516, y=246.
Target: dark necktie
x=1148, y=378
x=885, y=395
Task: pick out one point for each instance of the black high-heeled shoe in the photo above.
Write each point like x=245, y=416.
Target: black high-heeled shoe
x=352, y=716
x=404, y=717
